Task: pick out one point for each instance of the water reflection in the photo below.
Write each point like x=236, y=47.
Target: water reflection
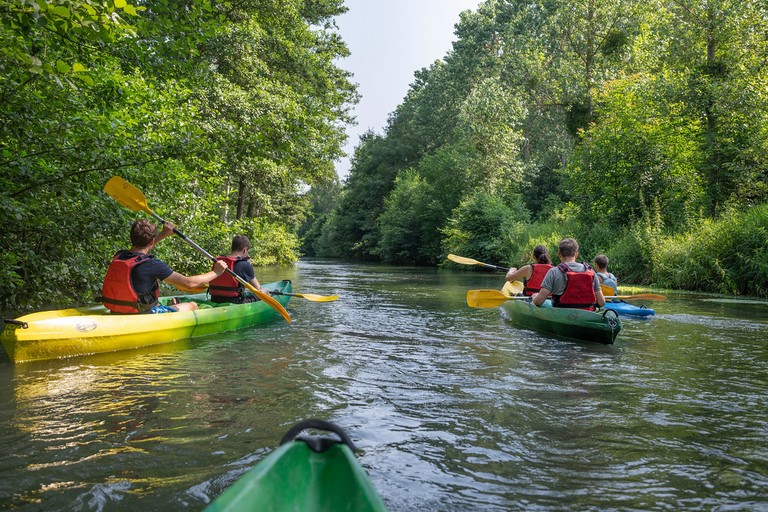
x=454, y=409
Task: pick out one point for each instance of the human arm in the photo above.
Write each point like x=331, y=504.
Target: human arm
x=167, y=231
x=539, y=298
x=193, y=283
x=519, y=274
x=599, y=297
x=244, y=269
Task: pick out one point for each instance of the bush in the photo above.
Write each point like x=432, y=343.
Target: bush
x=725, y=256
x=483, y=227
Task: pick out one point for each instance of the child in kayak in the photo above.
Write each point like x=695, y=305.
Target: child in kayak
x=601, y=270
x=226, y=288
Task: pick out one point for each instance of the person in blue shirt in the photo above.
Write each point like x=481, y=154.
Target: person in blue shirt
x=601, y=270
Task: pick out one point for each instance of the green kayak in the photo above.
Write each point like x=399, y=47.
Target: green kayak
x=304, y=473
x=575, y=324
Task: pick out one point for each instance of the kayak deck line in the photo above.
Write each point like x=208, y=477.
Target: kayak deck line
x=94, y=329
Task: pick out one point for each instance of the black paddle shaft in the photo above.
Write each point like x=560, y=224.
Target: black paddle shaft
x=201, y=250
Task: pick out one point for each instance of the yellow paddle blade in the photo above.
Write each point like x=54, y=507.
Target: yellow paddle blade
x=513, y=288
x=607, y=290
x=126, y=194
x=461, y=260
x=488, y=298
x=317, y=298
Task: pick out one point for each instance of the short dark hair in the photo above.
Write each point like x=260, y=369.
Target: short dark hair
x=601, y=261
x=568, y=247
x=240, y=242
x=143, y=232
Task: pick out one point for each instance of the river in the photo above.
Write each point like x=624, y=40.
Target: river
x=452, y=408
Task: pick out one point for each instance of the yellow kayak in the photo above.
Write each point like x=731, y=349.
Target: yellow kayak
x=94, y=329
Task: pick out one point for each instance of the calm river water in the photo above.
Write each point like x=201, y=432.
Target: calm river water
x=452, y=408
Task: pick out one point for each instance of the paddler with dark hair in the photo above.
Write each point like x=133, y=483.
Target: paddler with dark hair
x=571, y=284
x=132, y=283
x=226, y=288
x=532, y=274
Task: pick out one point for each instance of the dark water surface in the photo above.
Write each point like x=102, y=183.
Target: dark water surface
x=453, y=408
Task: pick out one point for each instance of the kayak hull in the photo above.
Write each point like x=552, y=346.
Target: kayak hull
x=574, y=324
x=94, y=329
x=624, y=308
x=295, y=477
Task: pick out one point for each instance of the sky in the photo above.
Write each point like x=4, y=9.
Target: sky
x=389, y=41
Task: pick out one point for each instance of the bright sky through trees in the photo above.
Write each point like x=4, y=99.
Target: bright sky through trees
x=389, y=40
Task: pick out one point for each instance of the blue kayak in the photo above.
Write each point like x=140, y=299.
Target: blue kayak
x=624, y=308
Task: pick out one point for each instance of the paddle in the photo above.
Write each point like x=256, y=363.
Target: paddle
x=495, y=298
x=489, y=298
x=469, y=261
x=607, y=291
x=309, y=296
x=133, y=199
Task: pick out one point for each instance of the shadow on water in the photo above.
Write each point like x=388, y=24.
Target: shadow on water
x=453, y=408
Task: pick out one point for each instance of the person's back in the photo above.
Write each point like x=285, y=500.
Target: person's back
x=227, y=288
x=578, y=289
x=570, y=284
x=533, y=273
x=132, y=282
x=605, y=277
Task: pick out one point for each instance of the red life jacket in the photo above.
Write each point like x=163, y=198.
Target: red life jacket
x=579, y=289
x=533, y=283
x=225, y=285
x=117, y=291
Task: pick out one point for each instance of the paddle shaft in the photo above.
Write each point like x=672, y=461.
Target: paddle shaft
x=229, y=271
x=133, y=199
x=469, y=261
x=639, y=296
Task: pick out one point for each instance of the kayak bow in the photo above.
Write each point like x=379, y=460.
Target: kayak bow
x=304, y=473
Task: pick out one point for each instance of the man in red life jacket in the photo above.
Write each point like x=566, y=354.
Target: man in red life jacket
x=571, y=284
x=226, y=288
x=533, y=273
x=132, y=283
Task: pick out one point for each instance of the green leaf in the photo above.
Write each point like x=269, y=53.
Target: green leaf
x=61, y=11
x=120, y=4
x=62, y=67
x=78, y=68
x=85, y=78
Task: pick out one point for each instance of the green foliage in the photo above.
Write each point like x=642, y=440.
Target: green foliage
x=409, y=222
x=483, y=226
x=728, y=255
x=322, y=198
x=639, y=153
x=220, y=113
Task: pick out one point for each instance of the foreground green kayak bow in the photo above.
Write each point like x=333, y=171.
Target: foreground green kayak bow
x=306, y=473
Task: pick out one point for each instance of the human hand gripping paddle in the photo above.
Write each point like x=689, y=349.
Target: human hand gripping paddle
x=133, y=199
